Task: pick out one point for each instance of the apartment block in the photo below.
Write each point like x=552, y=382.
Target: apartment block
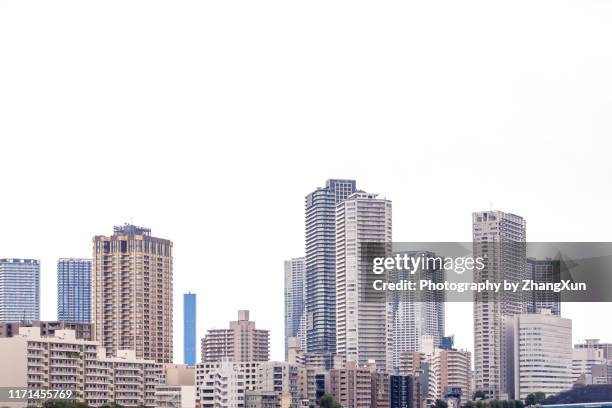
x=363, y=231
x=499, y=239
x=223, y=384
x=63, y=362
x=48, y=328
x=132, y=293
x=241, y=342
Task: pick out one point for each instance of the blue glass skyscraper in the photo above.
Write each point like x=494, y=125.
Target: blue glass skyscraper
x=321, y=264
x=74, y=290
x=189, y=329
x=19, y=290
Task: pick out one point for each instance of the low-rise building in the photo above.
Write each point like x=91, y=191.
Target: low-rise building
x=64, y=362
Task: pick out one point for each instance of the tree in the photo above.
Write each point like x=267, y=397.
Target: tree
x=535, y=398
x=479, y=395
x=439, y=404
x=327, y=401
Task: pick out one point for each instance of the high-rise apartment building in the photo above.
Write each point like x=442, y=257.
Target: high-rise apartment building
x=19, y=290
x=321, y=265
x=498, y=238
x=64, y=362
x=189, y=329
x=132, y=293
x=542, y=345
x=415, y=314
x=363, y=231
x=74, y=290
x=295, y=316
x=241, y=342
x=544, y=271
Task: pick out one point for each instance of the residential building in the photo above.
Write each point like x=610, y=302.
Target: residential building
x=542, y=345
x=189, y=329
x=241, y=342
x=585, y=356
x=286, y=380
x=320, y=261
x=132, y=293
x=404, y=392
x=178, y=374
x=499, y=239
x=544, y=271
x=175, y=396
x=48, y=328
x=19, y=290
x=223, y=384
x=74, y=290
x=363, y=231
x=351, y=386
x=261, y=399
x=295, y=316
x=64, y=362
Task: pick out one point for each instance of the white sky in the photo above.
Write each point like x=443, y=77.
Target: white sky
x=209, y=121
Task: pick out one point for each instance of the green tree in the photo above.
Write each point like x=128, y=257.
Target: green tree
x=479, y=395
x=535, y=398
x=328, y=401
x=439, y=404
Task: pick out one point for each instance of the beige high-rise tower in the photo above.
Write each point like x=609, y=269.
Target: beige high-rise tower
x=132, y=293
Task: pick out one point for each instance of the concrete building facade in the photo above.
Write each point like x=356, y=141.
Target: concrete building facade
x=132, y=293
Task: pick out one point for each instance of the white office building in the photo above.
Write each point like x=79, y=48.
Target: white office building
x=542, y=354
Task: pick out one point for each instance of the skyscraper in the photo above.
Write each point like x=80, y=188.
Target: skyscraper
x=132, y=293
x=19, y=290
x=544, y=271
x=498, y=238
x=74, y=290
x=295, y=318
x=415, y=314
x=321, y=264
x=189, y=329
x=363, y=230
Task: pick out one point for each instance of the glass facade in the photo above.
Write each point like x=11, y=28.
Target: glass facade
x=19, y=290
x=189, y=329
x=74, y=290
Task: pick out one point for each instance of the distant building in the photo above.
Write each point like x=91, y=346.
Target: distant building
x=260, y=399
x=415, y=314
x=189, y=329
x=359, y=386
x=132, y=293
x=500, y=239
x=295, y=316
x=405, y=392
x=241, y=342
x=223, y=384
x=585, y=356
x=320, y=234
x=48, y=328
x=19, y=289
x=74, y=290
x=596, y=344
x=175, y=396
x=544, y=271
x=56, y=362
x=542, y=353
x=363, y=230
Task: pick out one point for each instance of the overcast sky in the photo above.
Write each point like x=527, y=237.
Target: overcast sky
x=209, y=121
